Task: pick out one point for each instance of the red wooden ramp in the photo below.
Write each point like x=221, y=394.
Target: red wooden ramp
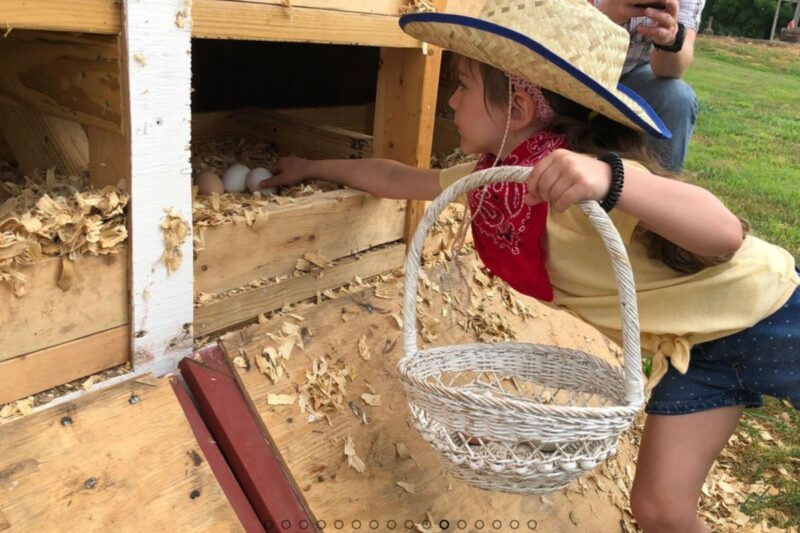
x=222, y=417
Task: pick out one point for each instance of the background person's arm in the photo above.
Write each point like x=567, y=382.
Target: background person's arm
x=662, y=31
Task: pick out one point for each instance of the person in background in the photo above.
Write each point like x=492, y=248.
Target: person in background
x=661, y=49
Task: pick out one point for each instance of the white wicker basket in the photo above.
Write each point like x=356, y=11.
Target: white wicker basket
x=520, y=417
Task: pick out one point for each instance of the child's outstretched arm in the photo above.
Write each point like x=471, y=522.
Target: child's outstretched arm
x=687, y=215
x=380, y=177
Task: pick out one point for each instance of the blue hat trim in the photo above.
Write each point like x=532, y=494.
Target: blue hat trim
x=461, y=20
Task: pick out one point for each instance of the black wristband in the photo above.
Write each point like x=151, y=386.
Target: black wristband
x=677, y=45
x=617, y=180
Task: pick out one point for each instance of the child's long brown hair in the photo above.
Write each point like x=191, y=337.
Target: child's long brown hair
x=594, y=134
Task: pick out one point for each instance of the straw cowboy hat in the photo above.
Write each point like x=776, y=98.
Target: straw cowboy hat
x=566, y=46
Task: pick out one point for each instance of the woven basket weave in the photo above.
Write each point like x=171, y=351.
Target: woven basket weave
x=520, y=417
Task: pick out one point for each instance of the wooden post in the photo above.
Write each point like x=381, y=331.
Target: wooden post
x=775, y=19
x=404, y=112
x=158, y=68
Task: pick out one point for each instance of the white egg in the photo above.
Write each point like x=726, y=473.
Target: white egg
x=235, y=178
x=256, y=176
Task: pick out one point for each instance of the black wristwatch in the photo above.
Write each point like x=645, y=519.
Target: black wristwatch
x=678, y=44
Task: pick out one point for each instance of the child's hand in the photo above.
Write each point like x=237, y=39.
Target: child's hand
x=290, y=171
x=564, y=178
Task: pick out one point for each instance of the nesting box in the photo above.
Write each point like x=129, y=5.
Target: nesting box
x=122, y=92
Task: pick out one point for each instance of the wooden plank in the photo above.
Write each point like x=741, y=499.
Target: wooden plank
x=357, y=118
x=306, y=139
x=247, y=446
x=28, y=374
x=72, y=76
x=216, y=460
x=109, y=157
x=336, y=224
x=214, y=125
x=375, y=7
x=404, y=113
x=237, y=308
x=313, y=452
x=47, y=316
x=40, y=141
x=223, y=19
x=86, y=16
x=123, y=459
x=158, y=74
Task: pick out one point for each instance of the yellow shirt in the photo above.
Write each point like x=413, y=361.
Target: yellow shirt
x=676, y=310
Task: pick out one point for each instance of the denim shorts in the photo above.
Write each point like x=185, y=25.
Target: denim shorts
x=738, y=369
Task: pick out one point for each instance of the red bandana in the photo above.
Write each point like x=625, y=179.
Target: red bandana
x=509, y=235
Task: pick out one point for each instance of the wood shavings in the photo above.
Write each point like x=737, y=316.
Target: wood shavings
x=328, y=293
x=386, y=294
x=287, y=328
x=90, y=382
x=429, y=326
x=353, y=460
x=139, y=58
x=175, y=230
x=348, y=314
x=482, y=279
x=25, y=406
x=513, y=303
x=324, y=390
x=397, y=320
x=408, y=487
x=302, y=265
x=317, y=259
x=287, y=345
x=270, y=364
x=402, y=450
x=242, y=360
x=22, y=407
x=373, y=400
x=363, y=349
x=281, y=399
x=180, y=19
x=56, y=215
x=487, y=326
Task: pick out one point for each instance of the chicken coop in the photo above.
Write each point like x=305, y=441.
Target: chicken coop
x=188, y=305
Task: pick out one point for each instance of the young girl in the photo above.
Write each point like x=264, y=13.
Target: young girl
x=721, y=306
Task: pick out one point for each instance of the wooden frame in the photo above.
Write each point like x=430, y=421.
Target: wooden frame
x=132, y=114
x=336, y=224
x=158, y=68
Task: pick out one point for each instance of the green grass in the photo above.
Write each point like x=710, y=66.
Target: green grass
x=746, y=149
x=746, y=146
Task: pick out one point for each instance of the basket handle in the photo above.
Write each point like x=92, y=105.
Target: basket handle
x=634, y=380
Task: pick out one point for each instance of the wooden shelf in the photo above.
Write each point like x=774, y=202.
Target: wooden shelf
x=225, y=19
x=264, y=20
x=85, y=16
